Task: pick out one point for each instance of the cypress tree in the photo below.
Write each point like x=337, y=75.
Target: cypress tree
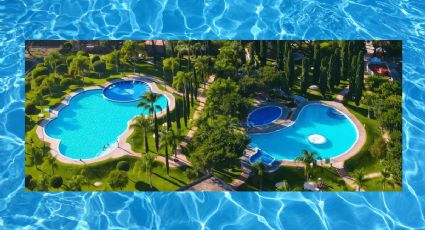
x=304, y=77
x=184, y=108
x=156, y=132
x=280, y=52
x=195, y=78
x=324, y=72
x=177, y=111
x=337, y=66
x=316, y=63
x=344, y=61
x=263, y=53
x=168, y=117
x=360, y=79
x=331, y=73
x=352, y=77
x=289, y=68
x=192, y=95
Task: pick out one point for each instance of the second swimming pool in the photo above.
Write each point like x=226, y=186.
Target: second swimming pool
x=314, y=120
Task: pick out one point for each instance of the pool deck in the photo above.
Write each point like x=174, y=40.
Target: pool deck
x=123, y=148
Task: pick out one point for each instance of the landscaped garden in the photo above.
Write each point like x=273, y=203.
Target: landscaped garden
x=192, y=117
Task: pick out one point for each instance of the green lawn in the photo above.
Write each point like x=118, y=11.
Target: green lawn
x=100, y=172
x=295, y=178
x=376, y=185
x=363, y=159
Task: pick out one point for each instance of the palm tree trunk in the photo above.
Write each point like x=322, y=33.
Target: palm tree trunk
x=166, y=159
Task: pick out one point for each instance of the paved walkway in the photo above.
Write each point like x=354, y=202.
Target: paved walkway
x=202, y=97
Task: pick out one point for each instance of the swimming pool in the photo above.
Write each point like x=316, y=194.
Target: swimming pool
x=126, y=91
x=264, y=115
x=314, y=120
x=91, y=124
x=260, y=155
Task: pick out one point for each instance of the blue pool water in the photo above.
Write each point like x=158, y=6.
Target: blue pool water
x=261, y=155
x=125, y=91
x=264, y=115
x=287, y=143
x=90, y=124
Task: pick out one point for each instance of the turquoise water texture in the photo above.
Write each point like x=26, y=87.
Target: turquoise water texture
x=90, y=125
x=287, y=143
x=192, y=19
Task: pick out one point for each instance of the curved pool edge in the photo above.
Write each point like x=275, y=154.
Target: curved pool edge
x=339, y=160
x=265, y=106
x=123, y=148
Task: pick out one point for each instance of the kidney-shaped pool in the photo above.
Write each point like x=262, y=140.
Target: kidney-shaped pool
x=318, y=127
x=91, y=124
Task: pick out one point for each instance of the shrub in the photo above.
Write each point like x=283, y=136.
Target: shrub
x=192, y=174
x=69, y=59
x=99, y=66
x=118, y=179
x=123, y=166
x=56, y=181
x=95, y=58
x=39, y=70
x=82, y=53
x=142, y=186
x=30, y=108
x=65, y=82
x=30, y=183
x=66, y=48
x=62, y=68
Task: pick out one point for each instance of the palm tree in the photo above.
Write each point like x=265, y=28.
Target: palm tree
x=170, y=63
x=181, y=80
x=385, y=178
x=284, y=186
x=52, y=59
x=147, y=163
x=202, y=66
x=53, y=163
x=144, y=124
x=78, y=65
x=359, y=178
x=148, y=102
x=309, y=159
x=168, y=138
x=259, y=167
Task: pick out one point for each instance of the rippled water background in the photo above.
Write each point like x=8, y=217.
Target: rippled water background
x=184, y=19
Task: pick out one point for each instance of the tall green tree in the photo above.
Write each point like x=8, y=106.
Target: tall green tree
x=359, y=79
x=359, y=178
x=52, y=59
x=148, y=102
x=53, y=163
x=79, y=65
x=263, y=52
x=352, y=78
x=316, y=63
x=304, y=78
x=331, y=72
x=131, y=50
x=323, y=79
x=143, y=123
x=345, y=65
x=170, y=64
x=309, y=159
x=147, y=163
x=289, y=68
x=260, y=168
x=168, y=139
x=336, y=70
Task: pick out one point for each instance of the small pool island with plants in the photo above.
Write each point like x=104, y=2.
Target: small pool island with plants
x=188, y=115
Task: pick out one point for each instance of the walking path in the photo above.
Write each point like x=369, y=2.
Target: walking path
x=202, y=97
